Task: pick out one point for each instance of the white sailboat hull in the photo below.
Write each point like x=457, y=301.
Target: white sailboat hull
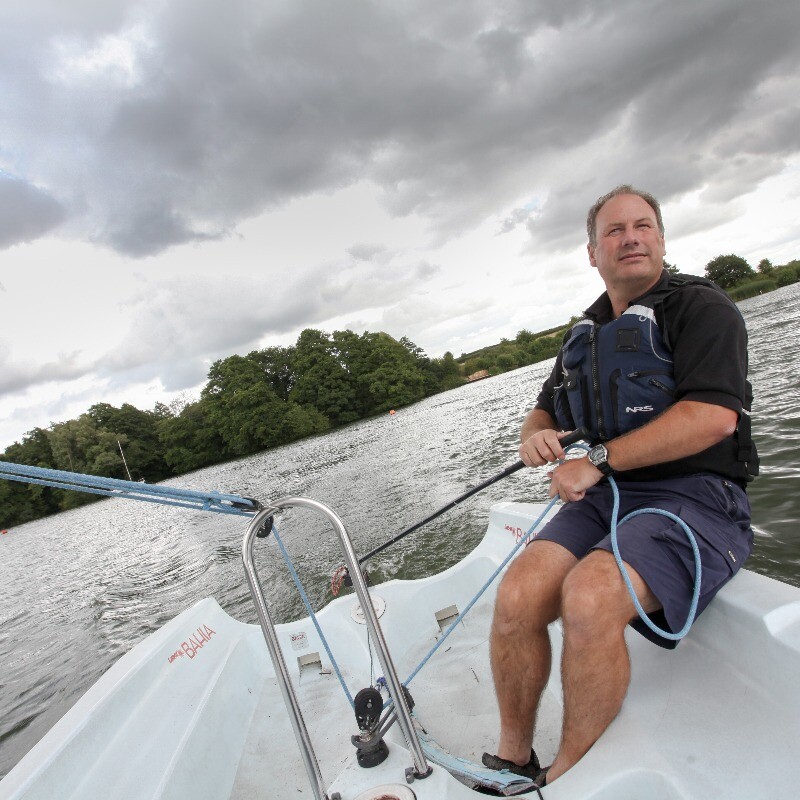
x=194, y=710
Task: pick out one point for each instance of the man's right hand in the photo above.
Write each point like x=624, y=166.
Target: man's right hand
x=543, y=447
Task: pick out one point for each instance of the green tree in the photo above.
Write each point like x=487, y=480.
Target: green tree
x=385, y=372
x=302, y=421
x=787, y=274
x=250, y=419
x=505, y=362
x=190, y=440
x=546, y=347
x=322, y=380
x=34, y=450
x=245, y=411
x=525, y=337
x=22, y=502
x=137, y=432
x=727, y=271
x=765, y=266
x=278, y=368
x=79, y=445
x=430, y=371
x=446, y=372
x=416, y=352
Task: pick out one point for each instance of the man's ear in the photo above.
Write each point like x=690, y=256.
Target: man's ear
x=590, y=248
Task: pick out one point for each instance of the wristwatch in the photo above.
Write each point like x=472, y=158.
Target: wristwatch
x=598, y=455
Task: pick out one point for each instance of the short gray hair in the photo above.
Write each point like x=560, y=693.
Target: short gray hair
x=591, y=219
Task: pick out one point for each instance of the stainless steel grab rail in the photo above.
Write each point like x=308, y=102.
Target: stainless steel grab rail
x=421, y=767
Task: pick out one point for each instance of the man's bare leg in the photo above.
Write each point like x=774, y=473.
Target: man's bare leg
x=596, y=608
x=528, y=600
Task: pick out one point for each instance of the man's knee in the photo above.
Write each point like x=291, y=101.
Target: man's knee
x=530, y=592
x=594, y=598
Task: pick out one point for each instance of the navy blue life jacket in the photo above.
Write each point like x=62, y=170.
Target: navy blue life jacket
x=619, y=376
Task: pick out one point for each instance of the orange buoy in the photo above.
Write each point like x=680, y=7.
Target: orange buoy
x=392, y=413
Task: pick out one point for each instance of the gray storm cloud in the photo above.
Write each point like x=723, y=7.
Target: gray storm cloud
x=172, y=122
x=141, y=126
x=27, y=211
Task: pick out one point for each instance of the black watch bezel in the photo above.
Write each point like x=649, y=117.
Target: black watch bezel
x=598, y=456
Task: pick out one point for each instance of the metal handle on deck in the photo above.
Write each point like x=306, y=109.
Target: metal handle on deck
x=421, y=767
x=278, y=661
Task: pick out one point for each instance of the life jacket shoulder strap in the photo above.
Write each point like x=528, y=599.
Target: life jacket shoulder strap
x=656, y=298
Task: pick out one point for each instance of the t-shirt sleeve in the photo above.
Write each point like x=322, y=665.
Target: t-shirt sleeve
x=709, y=348
x=545, y=399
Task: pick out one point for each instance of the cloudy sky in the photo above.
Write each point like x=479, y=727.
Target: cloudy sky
x=181, y=180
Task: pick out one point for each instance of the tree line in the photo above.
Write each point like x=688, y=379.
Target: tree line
x=734, y=274
x=249, y=403
x=280, y=394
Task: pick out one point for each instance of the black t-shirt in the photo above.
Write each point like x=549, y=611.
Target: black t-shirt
x=708, y=339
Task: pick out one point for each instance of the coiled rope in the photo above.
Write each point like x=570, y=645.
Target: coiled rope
x=615, y=523
x=698, y=566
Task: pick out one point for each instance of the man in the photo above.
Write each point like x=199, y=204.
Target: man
x=657, y=374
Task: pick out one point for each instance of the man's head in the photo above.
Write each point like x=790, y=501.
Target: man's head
x=626, y=243
x=591, y=219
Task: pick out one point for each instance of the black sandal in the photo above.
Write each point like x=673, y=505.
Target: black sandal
x=530, y=770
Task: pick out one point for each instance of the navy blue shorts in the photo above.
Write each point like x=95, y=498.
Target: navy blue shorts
x=717, y=511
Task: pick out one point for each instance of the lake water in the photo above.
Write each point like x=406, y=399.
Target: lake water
x=80, y=589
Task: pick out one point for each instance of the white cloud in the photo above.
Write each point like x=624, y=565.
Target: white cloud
x=181, y=182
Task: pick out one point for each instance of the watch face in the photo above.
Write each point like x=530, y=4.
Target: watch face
x=598, y=454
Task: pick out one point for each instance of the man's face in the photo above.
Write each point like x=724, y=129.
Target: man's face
x=630, y=248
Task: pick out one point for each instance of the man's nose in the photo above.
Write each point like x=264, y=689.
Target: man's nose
x=630, y=235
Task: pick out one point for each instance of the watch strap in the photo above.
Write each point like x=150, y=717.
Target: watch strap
x=598, y=455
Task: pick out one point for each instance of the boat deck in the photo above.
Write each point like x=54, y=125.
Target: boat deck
x=195, y=709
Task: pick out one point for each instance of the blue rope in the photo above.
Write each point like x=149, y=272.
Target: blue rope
x=698, y=566
x=483, y=588
x=310, y=610
x=133, y=490
x=623, y=571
